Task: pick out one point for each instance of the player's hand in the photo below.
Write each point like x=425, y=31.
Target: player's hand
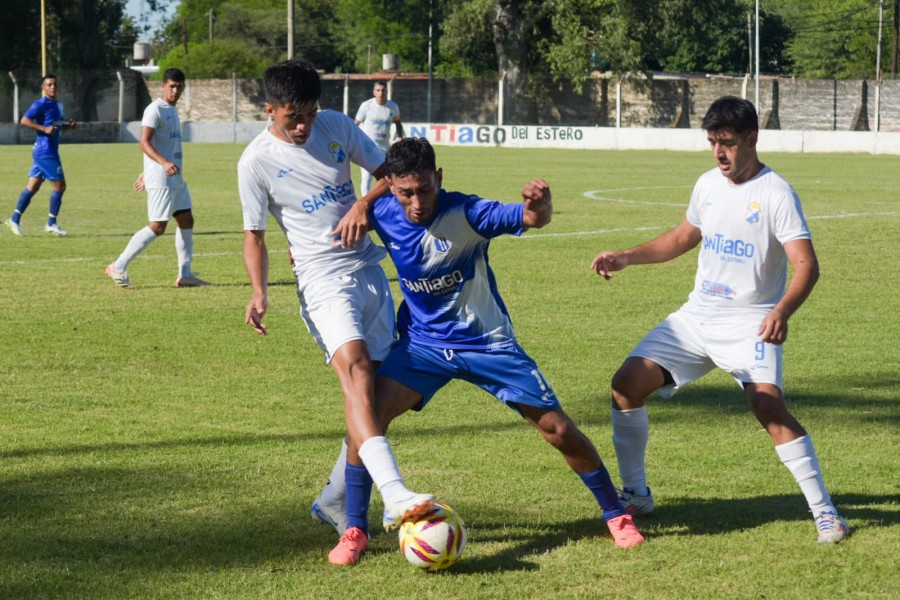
x=138, y=184
x=536, y=191
x=290, y=256
x=353, y=227
x=606, y=262
x=170, y=168
x=49, y=129
x=256, y=310
x=774, y=328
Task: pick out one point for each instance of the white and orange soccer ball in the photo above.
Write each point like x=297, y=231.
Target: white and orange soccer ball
x=435, y=541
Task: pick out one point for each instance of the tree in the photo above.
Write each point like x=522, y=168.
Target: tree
x=251, y=32
x=81, y=34
x=835, y=39
x=368, y=29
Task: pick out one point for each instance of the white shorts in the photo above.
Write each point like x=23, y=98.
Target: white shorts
x=689, y=348
x=162, y=202
x=344, y=308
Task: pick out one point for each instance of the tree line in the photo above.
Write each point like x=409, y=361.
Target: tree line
x=532, y=43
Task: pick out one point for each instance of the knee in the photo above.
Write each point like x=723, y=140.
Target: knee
x=158, y=227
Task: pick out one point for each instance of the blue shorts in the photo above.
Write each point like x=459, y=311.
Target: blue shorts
x=47, y=168
x=508, y=373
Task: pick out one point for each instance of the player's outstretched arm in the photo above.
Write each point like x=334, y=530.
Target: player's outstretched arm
x=354, y=226
x=256, y=261
x=802, y=256
x=669, y=245
x=538, y=204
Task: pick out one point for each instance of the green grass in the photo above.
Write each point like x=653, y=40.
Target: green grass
x=153, y=446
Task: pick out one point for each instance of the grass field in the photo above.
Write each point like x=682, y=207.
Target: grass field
x=153, y=446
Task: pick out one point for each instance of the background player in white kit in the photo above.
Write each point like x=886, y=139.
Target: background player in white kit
x=163, y=179
x=298, y=169
x=750, y=224
x=375, y=116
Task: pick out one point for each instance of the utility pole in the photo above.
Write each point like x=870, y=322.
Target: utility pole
x=896, y=36
x=290, y=27
x=184, y=28
x=43, y=39
x=210, y=25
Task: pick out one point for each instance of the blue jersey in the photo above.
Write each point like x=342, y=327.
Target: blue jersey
x=450, y=297
x=46, y=112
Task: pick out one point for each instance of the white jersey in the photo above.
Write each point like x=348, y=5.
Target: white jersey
x=375, y=119
x=163, y=118
x=742, y=263
x=308, y=189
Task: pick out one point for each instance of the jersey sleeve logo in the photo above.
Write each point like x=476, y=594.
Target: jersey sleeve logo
x=753, y=213
x=336, y=152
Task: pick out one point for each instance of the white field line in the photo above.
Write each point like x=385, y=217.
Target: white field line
x=37, y=261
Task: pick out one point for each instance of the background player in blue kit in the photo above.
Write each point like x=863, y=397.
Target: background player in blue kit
x=45, y=116
x=749, y=223
x=453, y=323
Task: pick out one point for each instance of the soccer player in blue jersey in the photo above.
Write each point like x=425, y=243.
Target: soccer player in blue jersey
x=749, y=225
x=453, y=323
x=45, y=116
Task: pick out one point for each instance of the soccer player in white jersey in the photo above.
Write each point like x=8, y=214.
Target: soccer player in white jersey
x=453, y=323
x=298, y=169
x=167, y=191
x=748, y=223
x=375, y=116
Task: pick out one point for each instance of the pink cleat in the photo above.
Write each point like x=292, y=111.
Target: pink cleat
x=353, y=543
x=624, y=532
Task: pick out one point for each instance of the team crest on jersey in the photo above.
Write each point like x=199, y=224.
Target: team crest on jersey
x=753, y=213
x=441, y=245
x=336, y=152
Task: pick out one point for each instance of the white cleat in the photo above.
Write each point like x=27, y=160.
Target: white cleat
x=637, y=505
x=409, y=509
x=55, y=230
x=832, y=528
x=329, y=514
x=190, y=281
x=14, y=227
x=120, y=276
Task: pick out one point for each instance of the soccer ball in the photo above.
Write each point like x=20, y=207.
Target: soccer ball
x=435, y=541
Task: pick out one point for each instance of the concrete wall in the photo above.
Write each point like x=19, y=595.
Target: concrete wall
x=666, y=102
x=522, y=136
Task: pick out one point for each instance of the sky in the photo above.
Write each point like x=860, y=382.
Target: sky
x=135, y=8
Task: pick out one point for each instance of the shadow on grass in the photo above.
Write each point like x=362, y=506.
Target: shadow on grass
x=678, y=517
x=731, y=401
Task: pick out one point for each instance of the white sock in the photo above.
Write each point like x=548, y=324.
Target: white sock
x=378, y=458
x=138, y=243
x=184, y=247
x=631, y=430
x=799, y=457
x=335, y=491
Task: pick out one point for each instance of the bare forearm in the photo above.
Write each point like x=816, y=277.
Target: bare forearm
x=256, y=262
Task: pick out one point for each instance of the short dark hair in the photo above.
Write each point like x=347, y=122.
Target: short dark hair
x=410, y=155
x=731, y=112
x=379, y=82
x=294, y=82
x=173, y=74
x=47, y=76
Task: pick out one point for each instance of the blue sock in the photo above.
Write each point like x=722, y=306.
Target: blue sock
x=24, y=200
x=55, y=205
x=359, y=492
x=601, y=486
